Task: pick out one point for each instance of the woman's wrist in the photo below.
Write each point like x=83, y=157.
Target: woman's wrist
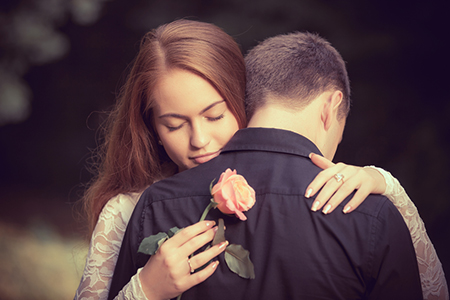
x=380, y=179
x=146, y=292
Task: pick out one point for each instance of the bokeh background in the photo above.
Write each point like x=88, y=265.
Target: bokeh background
x=62, y=63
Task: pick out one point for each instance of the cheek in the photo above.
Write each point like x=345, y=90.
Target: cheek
x=172, y=143
x=229, y=130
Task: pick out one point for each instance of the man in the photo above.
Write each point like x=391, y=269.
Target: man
x=298, y=97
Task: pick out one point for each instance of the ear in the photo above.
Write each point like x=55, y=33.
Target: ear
x=330, y=109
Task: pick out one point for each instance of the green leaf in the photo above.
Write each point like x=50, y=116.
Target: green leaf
x=151, y=244
x=238, y=260
x=219, y=237
x=172, y=231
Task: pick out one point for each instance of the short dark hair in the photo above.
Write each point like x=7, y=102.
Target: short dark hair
x=295, y=68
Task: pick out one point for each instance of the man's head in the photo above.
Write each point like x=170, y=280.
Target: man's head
x=299, y=82
x=295, y=68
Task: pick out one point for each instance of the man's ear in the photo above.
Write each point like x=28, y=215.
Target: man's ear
x=331, y=108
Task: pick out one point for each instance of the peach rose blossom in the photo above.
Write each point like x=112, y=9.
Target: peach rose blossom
x=233, y=194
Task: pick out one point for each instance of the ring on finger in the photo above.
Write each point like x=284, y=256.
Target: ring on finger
x=190, y=266
x=339, y=177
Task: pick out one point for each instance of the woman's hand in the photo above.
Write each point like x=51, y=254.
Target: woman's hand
x=169, y=272
x=335, y=190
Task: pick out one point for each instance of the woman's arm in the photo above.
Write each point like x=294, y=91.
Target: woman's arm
x=434, y=285
x=105, y=246
x=367, y=179
x=166, y=274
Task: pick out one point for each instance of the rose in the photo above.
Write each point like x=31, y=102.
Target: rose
x=233, y=195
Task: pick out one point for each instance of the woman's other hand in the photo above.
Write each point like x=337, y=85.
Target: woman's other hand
x=340, y=180
x=169, y=272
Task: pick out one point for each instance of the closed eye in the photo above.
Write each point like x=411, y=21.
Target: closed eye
x=215, y=118
x=171, y=128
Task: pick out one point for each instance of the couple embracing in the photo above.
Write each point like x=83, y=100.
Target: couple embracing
x=297, y=98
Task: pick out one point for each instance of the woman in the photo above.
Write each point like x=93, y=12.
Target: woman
x=133, y=156
x=137, y=153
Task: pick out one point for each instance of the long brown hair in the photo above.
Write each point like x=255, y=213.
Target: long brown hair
x=130, y=158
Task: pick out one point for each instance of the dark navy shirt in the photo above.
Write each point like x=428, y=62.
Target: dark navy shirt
x=297, y=253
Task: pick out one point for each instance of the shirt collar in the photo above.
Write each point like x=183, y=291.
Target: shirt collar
x=272, y=140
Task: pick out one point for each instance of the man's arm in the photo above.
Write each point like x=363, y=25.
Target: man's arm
x=394, y=269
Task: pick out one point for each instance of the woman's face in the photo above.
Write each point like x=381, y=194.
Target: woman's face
x=192, y=119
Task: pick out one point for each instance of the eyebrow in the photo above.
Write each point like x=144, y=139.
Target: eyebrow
x=172, y=115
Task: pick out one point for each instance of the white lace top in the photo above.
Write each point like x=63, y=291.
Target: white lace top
x=108, y=234
x=434, y=285
x=104, y=251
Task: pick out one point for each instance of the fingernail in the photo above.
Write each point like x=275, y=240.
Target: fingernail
x=215, y=229
x=214, y=264
x=326, y=209
x=308, y=193
x=310, y=155
x=223, y=244
x=347, y=209
x=315, y=206
x=210, y=223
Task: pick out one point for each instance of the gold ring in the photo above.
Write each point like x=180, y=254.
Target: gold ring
x=339, y=177
x=190, y=267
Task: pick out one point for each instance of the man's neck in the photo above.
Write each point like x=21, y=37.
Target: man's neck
x=317, y=121
x=274, y=116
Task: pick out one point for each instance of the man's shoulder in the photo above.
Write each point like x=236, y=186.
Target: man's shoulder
x=374, y=205
x=381, y=210
x=192, y=182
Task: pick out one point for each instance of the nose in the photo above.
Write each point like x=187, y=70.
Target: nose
x=200, y=138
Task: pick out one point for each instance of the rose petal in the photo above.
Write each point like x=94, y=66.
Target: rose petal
x=240, y=215
x=223, y=178
x=245, y=195
x=228, y=193
x=231, y=207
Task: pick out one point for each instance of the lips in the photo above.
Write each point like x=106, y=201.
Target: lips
x=200, y=159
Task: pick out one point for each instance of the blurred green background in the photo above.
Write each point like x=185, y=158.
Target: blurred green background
x=63, y=61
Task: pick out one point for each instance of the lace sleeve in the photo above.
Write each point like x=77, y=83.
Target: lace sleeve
x=133, y=290
x=104, y=250
x=434, y=285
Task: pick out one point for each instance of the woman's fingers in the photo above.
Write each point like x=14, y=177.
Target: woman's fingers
x=334, y=191
x=200, y=276
x=335, y=184
x=206, y=256
x=197, y=242
x=328, y=182
x=330, y=170
x=168, y=272
x=200, y=260
x=322, y=179
x=343, y=191
x=320, y=161
x=359, y=197
x=336, y=195
x=189, y=232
